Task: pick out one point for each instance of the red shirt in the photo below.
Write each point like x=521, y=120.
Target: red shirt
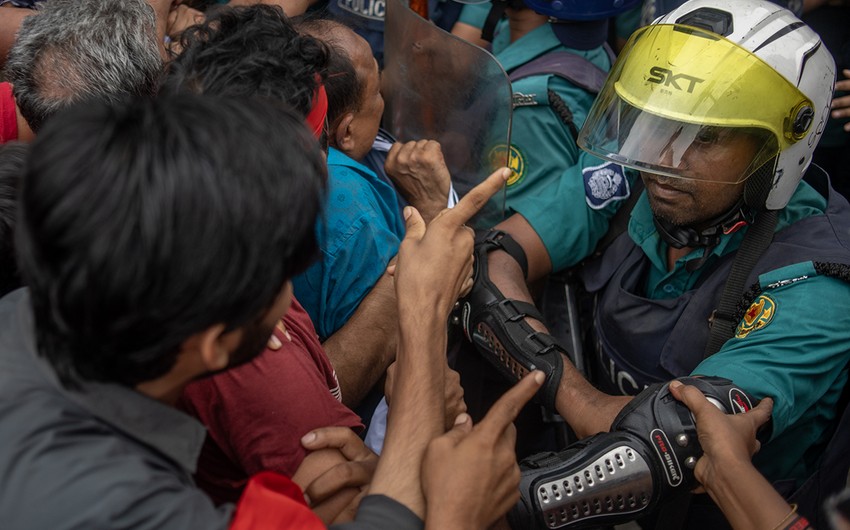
x=8, y=114
x=257, y=413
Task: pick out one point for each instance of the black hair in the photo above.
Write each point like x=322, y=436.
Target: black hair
x=249, y=51
x=13, y=157
x=143, y=224
x=344, y=88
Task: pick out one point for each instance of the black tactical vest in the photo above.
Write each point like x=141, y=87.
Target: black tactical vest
x=639, y=341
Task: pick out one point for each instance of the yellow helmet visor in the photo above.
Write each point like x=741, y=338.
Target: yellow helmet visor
x=687, y=103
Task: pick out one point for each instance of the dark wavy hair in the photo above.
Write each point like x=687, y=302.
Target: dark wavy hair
x=143, y=224
x=249, y=51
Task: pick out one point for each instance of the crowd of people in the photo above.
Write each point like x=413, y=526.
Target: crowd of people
x=230, y=299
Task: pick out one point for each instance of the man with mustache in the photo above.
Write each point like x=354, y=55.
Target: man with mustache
x=714, y=112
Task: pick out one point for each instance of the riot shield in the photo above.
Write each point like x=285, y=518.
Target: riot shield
x=440, y=87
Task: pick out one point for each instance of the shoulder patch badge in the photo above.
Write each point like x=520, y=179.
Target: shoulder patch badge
x=604, y=184
x=758, y=316
x=516, y=162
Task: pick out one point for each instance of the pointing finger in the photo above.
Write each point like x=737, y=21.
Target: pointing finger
x=478, y=197
x=505, y=410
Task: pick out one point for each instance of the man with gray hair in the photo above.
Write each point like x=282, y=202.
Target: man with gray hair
x=83, y=49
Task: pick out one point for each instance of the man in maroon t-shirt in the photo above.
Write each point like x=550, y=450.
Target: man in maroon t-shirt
x=257, y=413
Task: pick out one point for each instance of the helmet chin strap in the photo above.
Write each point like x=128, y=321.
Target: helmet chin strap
x=682, y=236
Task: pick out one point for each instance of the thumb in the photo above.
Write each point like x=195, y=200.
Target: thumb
x=761, y=413
x=414, y=224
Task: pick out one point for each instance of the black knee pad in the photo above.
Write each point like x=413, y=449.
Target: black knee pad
x=646, y=460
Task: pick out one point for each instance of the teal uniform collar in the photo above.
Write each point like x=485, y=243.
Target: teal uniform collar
x=531, y=45
x=643, y=232
x=805, y=202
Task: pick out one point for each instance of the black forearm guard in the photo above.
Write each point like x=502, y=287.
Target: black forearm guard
x=645, y=461
x=498, y=329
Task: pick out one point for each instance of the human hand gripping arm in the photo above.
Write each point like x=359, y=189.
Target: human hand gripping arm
x=725, y=469
x=432, y=267
x=335, y=494
x=419, y=172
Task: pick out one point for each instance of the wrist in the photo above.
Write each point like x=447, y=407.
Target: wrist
x=718, y=479
x=445, y=516
x=426, y=305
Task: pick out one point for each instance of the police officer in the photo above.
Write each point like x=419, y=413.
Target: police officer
x=717, y=113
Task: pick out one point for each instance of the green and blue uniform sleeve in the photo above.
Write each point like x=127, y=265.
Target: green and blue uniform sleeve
x=793, y=346
x=570, y=218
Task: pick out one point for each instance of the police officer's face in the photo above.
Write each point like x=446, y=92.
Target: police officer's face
x=709, y=165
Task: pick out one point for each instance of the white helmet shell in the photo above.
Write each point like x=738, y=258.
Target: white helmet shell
x=790, y=47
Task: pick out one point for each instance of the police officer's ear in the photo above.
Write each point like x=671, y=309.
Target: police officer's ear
x=342, y=136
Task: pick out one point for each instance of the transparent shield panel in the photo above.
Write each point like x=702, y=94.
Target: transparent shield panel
x=437, y=86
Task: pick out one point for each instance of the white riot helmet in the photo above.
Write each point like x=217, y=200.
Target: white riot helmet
x=713, y=67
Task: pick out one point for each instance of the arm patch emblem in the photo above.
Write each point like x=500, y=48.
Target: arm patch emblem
x=758, y=316
x=604, y=184
x=516, y=162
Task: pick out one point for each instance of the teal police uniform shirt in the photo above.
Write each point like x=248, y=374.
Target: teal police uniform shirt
x=474, y=14
x=541, y=145
x=797, y=355
x=358, y=233
x=793, y=344
x=573, y=214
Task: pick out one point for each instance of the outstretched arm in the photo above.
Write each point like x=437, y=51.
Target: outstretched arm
x=364, y=347
x=586, y=409
x=432, y=268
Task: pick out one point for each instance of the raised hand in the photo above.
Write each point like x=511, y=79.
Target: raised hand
x=463, y=464
x=434, y=264
x=419, y=173
x=727, y=441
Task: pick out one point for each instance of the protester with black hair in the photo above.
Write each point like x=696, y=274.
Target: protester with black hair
x=158, y=239
x=255, y=51
x=134, y=238
x=248, y=52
